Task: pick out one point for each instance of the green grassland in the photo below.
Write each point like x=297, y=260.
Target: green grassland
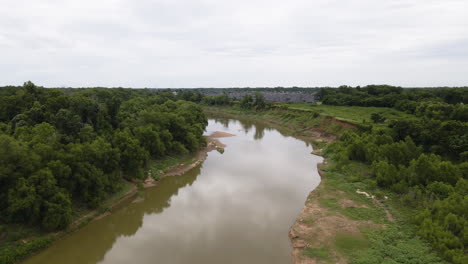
x=350, y=114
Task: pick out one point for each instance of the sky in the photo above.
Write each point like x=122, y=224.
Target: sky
x=242, y=43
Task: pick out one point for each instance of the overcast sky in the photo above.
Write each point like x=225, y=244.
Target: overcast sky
x=219, y=43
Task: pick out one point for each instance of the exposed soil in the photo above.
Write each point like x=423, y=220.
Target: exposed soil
x=379, y=204
x=316, y=134
x=340, y=122
x=387, y=213
x=346, y=203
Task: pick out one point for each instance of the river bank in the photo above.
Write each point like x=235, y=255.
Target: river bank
x=345, y=219
x=234, y=207
x=212, y=143
x=33, y=241
x=181, y=167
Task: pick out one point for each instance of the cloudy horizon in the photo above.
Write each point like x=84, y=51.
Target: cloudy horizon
x=256, y=43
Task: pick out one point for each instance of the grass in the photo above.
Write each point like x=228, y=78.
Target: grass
x=330, y=203
x=396, y=244
x=350, y=244
x=369, y=213
x=163, y=165
x=295, y=123
x=20, y=241
x=351, y=114
x=16, y=251
x=124, y=189
x=321, y=254
x=387, y=242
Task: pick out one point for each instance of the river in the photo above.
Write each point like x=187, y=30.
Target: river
x=236, y=207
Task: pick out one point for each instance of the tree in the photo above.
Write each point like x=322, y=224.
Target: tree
x=259, y=103
x=57, y=212
x=246, y=102
x=377, y=118
x=386, y=174
x=132, y=156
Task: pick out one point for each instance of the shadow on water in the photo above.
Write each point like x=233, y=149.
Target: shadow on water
x=249, y=124
x=85, y=247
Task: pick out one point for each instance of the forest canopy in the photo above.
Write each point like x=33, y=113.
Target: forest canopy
x=61, y=149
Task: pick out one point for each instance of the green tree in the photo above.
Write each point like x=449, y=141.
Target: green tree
x=132, y=156
x=246, y=102
x=377, y=118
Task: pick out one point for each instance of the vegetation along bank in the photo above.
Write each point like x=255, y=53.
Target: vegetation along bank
x=65, y=152
x=394, y=182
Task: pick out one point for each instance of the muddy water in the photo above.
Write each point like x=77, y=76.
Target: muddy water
x=237, y=207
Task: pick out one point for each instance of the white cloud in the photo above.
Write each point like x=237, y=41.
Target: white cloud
x=233, y=43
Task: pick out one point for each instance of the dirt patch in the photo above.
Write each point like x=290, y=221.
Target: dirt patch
x=316, y=134
x=387, y=213
x=340, y=122
x=379, y=204
x=346, y=203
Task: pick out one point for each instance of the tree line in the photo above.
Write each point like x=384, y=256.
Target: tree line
x=62, y=149
x=405, y=99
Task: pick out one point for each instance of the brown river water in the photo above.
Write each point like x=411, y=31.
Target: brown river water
x=236, y=207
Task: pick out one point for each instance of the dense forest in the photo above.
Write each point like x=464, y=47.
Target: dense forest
x=62, y=149
x=424, y=159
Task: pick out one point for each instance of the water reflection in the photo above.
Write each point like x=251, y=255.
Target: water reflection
x=236, y=208
x=90, y=244
x=247, y=125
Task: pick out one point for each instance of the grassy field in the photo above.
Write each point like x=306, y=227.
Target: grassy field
x=351, y=114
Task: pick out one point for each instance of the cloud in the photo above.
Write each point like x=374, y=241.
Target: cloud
x=233, y=43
